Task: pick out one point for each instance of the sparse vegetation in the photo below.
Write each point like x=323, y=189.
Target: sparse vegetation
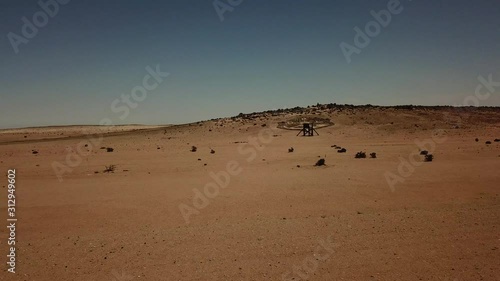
x=373, y=155
x=109, y=149
x=342, y=150
x=290, y=150
x=424, y=152
x=360, y=154
x=320, y=162
x=193, y=148
x=428, y=158
x=110, y=169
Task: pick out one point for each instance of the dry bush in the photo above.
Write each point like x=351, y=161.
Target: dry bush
x=320, y=162
x=360, y=154
x=429, y=158
x=110, y=169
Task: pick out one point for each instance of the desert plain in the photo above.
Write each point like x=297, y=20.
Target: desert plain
x=242, y=207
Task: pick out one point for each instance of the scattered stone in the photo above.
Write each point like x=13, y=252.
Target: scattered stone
x=429, y=158
x=424, y=152
x=373, y=155
x=360, y=154
x=321, y=162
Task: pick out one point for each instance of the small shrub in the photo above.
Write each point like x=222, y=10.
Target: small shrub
x=488, y=142
x=342, y=150
x=193, y=148
x=290, y=149
x=424, y=152
x=109, y=149
x=360, y=154
x=373, y=155
x=110, y=169
x=321, y=162
x=429, y=158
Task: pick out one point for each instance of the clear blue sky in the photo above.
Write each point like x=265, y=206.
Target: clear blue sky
x=264, y=55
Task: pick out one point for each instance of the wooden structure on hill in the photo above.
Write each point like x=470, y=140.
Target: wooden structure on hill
x=308, y=130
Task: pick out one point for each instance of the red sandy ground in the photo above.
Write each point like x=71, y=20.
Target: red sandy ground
x=441, y=223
